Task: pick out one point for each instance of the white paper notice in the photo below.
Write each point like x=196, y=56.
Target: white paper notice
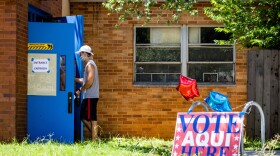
x=41, y=65
x=42, y=74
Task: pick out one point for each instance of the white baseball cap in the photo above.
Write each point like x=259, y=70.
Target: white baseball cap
x=85, y=48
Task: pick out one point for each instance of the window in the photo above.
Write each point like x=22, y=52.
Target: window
x=62, y=72
x=160, y=57
x=207, y=61
x=38, y=15
x=157, y=55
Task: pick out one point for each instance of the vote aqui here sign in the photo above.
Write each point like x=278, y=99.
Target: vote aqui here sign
x=207, y=134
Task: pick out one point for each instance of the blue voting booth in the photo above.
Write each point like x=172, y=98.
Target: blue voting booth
x=52, y=67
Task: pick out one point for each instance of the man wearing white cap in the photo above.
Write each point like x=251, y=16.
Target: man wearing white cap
x=89, y=90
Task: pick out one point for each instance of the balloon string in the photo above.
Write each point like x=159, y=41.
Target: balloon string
x=238, y=106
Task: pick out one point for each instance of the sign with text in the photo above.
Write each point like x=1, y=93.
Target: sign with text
x=42, y=74
x=208, y=134
x=40, y=65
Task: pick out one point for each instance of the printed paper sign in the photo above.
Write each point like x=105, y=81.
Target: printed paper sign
x=208, y=134
x=40, y=65
x=42, y=73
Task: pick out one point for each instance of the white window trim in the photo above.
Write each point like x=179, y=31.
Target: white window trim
x=184, y=49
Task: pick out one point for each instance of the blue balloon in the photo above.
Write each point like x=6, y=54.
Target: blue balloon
x=218, y=102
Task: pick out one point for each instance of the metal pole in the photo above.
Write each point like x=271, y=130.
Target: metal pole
x=249, y=105
x=197, y=104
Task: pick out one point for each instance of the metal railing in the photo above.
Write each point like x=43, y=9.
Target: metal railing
x=248, y=105
x=198, y=103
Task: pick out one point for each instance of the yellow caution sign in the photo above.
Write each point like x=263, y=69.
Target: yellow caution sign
x=40, y=46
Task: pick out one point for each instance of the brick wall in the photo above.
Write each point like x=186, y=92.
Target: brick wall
x=52, y=7
x=21, y=68
x=13, y=62
x=8, y=69
x=123, y=108
x=149, y=111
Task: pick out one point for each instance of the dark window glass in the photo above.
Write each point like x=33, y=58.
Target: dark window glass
x=158, y=72
x=142, y=35
x=221, y=72
x=143, y=77
x=62, y=72
x=208, y=35
x=158, y=68
x=210, y=53
x=37, y=15
x=158, y=54
x=159, y=78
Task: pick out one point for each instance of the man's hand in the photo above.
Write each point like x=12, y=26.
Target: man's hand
x=78, y=92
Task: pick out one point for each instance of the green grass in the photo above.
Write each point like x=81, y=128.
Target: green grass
x=271, y=144
x=114, y=146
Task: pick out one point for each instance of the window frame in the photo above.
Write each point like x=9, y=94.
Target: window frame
x=184, y=52
x=214, y=62
x=163, y=62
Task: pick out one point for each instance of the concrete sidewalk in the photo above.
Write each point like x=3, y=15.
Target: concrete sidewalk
x=255, y=153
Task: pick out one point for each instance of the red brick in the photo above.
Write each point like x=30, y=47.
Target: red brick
x=13, y=46
x=145, y=109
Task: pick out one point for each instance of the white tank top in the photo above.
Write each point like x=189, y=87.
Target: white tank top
x=93, y=91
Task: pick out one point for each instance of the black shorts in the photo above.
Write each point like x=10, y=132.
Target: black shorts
x=88, y=109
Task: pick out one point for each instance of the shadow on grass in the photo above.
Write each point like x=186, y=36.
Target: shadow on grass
x=163, y=150
x=142, y=145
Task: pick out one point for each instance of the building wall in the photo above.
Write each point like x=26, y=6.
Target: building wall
x=150, y=111
x=53, y=7
x=123, y=108
x=21, y=69
x=8, y=69
x=13, y=56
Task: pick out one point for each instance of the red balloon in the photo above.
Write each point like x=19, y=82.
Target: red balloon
x=187, y=87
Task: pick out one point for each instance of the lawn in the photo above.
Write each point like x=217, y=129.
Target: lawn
x=114, y=146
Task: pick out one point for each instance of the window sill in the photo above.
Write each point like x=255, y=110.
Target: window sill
x=226, y=84
x=175, y=84
x=159, y=84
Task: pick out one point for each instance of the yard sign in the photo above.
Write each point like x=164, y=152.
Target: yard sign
x=208, y=134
